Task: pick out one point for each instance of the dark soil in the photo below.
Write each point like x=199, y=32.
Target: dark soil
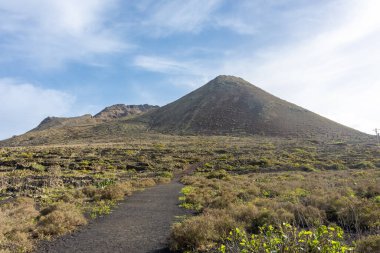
x=139, y=224
x=231, y=105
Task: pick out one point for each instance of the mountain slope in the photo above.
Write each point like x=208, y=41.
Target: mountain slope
x=226, y=105
x=231, y=105
x=111, y=124
x=55, y=122
x=121, y=110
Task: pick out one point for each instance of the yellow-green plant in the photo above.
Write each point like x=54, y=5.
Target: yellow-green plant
x=287, y=239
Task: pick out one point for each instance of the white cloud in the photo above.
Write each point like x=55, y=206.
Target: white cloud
x=334, y=72
x=53, y=32
x=237, y=25
x=24, y=105
x=159, y=64
x=185, y=73
x=328, y=63
x=322, y=55
x=172, y=16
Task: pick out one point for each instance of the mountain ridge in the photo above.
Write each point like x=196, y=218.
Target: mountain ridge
x=226, y=105
x=122, y=110
x=112, y=112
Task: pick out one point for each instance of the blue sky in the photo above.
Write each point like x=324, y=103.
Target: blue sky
x=67, y=58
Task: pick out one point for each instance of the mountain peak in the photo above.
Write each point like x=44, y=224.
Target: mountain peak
x=227, y=105
x=122, y=110
x=231, y=105
x=227, y=78
x=227, y=82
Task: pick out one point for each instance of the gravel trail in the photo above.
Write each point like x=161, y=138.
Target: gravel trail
x=141, y=223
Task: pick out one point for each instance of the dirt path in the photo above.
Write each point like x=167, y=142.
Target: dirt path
x=140, y=224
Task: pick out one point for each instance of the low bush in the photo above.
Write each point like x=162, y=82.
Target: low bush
x=336, y=166
x=307, y=200
x=162, y=180
x=165, y=174
x=59, y=219
x=17, y=219
x=364, y=165
x=143, y=183
x=101, y=208
x=368, y=244
x=287, y=239
x=201, y=233
x=113, y=192
x=218, y=174
x=90, y=191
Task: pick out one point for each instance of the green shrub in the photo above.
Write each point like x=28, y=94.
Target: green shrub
x=104, y=183
x=336, y=166
x=166, y=174
x=287, y=238
x=37, y=167
x=364, y=165
x=101, y=208
x=218, y=174
x=208, y=165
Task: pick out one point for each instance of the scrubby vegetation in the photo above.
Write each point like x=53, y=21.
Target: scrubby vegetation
x=252, y=184
x=287, y=238
x=243, y=201
x=49, y=191
x=307, y=200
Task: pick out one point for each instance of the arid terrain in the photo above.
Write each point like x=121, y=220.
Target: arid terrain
x=227, y=168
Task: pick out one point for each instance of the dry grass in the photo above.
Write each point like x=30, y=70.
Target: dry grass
x=93, y=177
x=162, y=180
x=62, y=212
x=113, y=192
x=17, y=220
x=368, y=244
x=201, y=232
x=305, y=200
x=59, y=219
x=143, y=183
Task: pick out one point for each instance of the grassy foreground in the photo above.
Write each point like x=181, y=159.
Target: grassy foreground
x=283, y=196
x=247, y=193
x=49, y=191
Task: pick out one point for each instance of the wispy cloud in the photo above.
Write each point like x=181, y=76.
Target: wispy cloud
x=322, y=55
x=334, y=72
x=265, y=18
x=160, y=64
x=167, y=17
x=327, y=61
x=24, y=105
x=51, y=33
x=186, y=73
x=236, y=24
